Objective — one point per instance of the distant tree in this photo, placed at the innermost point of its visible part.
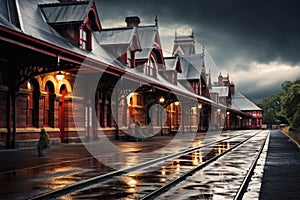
(290, 102)
(271, 107)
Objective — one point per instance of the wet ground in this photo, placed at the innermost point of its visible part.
(281, 172)
(221, 179)
(138, 184)
(23, 174)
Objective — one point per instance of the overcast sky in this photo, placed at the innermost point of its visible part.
(256, 42)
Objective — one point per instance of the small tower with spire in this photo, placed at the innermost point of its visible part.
(156, 20)
(184, 44)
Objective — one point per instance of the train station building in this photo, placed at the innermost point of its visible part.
(61, 70)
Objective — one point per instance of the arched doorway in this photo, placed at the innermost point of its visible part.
(63, 92)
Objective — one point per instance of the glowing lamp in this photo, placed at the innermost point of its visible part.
(60, 76)
(161, 100)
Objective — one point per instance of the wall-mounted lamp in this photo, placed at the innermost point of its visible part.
(161, 99)
(200, 105)
(228, 113)
(60, 76)
(177, 103)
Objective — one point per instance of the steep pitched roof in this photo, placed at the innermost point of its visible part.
(191, 66)
(111, 37)
(147, 35)
(184, 45)
(9, 14)
(242, 103)
(66, 12)
(6, 23)
(173, 64)
(34, 25)
(222, 90)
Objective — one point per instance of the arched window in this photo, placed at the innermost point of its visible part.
(49, 105)
(84, 38)
(32, 103)
(151, 67)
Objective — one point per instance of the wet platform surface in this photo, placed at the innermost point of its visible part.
(24, 174)
(281, 176)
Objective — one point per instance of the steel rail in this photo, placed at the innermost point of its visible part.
(80, 184)
(173, 183)
(241, 191)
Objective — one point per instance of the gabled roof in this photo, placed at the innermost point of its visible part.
(6, 23)
(222, 90)
(112, 37)
(242, 103)
(191, 66)
(184, 45)
(36, 29)
(147, 35)
(66, 12)
(9, 14)
(183, 49)
(34, 25)
(173, 64)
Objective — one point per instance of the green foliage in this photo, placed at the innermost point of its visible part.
(271, 107)
(283, 106)
(44, 141)
(290, 103)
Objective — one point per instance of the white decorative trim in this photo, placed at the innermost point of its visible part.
(20, 16)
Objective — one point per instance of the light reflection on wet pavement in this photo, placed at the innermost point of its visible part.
(219, 180)
(137, 184)
(39, 180)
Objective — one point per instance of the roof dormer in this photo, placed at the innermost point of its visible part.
(173, 67)
(75, 20)
(122, 43)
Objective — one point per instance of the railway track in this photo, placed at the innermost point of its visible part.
(156, 178)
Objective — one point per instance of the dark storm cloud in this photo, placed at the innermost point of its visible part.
(258, 30)
(258, 93)
(240, 66)
(236, 33)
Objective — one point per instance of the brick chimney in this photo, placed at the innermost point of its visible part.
(132, 21)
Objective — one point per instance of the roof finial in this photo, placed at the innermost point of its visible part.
(156, 20)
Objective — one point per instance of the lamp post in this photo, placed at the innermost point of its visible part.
(199, 117)
(161, 102)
